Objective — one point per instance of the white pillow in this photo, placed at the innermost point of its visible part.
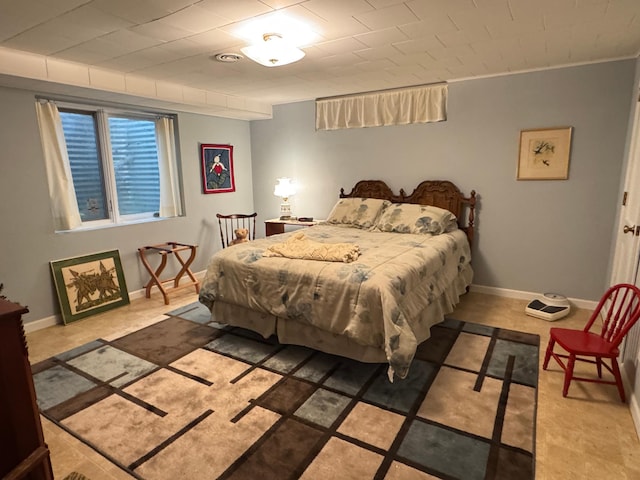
(413, 218)
(357, 212)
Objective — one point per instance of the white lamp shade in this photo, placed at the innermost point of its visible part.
(284, 188)
(273, 52)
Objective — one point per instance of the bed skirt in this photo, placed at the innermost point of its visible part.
(296, 333)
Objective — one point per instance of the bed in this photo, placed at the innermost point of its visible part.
(410, 269)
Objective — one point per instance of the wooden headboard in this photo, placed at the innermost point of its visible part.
(438, 193)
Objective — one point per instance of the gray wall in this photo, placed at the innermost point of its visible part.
(535, 236)
(28, 242)
(531, 236)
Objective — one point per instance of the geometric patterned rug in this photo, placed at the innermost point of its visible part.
(189, 398)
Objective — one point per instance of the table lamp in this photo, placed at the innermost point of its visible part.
(284, 189)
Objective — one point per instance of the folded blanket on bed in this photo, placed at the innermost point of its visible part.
(299, 246)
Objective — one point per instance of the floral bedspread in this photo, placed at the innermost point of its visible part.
(373, 300)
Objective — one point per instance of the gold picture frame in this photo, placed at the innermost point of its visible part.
(544, 154)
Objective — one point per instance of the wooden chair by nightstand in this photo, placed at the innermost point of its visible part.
(228, 224)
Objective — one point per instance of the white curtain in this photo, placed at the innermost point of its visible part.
(389, 107)
(170, 204)
(64, 204)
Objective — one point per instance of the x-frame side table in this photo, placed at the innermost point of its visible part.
(166, 249)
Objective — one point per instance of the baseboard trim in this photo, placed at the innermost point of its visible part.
(42, 323)
(499, 292)
(632, 398)
(57, 319)
(522, 295)
(635, 412)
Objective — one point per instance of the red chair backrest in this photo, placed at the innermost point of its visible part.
(619, 309)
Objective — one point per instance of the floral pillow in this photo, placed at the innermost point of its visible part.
(357, 212)
(412, 218)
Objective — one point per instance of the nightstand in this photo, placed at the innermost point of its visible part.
(275, 225)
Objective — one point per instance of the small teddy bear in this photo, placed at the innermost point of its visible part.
(241, 236)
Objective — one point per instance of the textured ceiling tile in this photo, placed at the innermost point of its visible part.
(423, 59)
(194, 19)
(387, 17)
(125, 41)
(381, 37)
(161, 31)
(137, 12)
(376, 65)
(385, 51)
(344, 27)
(427, 27)
(88, 21)
(84, 53)
(343, 45)
(19, 16)
(43, 39)
(445, 53)
(463, 37)
(51, 9)
(174, 5)
(281, 3)
(236, 10)
(215, 40)
(417, 46)
(384, 3)
(511, 29)
(521, 10)
(424, 7)
(333, 9)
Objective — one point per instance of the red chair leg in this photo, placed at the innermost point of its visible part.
(547, 355)
(568, 374)
(619, 384)
(599, 366)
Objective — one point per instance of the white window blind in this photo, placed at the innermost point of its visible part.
(86, 164)
(389, 107)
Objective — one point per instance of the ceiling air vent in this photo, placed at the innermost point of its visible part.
(228, 57)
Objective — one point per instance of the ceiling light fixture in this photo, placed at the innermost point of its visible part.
(273, 51)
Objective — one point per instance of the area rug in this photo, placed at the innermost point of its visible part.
(189, 398)
(75, 476)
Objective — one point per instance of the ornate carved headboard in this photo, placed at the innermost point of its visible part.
(438, 193)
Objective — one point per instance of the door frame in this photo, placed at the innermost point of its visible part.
(625, 264)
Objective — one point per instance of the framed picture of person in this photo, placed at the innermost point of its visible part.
(217, 168)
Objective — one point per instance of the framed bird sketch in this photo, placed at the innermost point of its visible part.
(544, 154)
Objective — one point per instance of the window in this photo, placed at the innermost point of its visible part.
(117, 161)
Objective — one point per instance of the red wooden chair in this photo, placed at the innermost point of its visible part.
(618, 310)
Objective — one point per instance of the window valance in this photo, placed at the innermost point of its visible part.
(389, 107)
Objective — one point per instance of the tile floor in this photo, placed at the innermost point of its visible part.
(588, 435)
